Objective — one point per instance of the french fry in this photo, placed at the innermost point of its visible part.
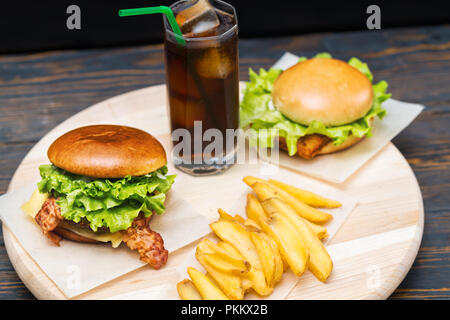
(278, 260)
(319, 262)
(227, 251)
(224, 215)
(308, 197)
(256, 212)
(279, 264)
(187, 291)
(266, 255)
(227, 217)
(320, 231)
(265, 191)
(225, 265)
(249, 180)
(246, 284)
(229, 248)
(208, 247)
(279, 268)
(252, 225)
(239, 219)
(257, 280)
(254, 209)
(207, 289)
(289, 242)
(237, 235)
(229, 283)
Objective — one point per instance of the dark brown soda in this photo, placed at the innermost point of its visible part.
(203, 79)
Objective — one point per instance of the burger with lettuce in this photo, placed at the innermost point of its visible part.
(104, 184)
(319, 106)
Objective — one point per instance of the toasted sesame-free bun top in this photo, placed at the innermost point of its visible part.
(327, 90)
(107, 151)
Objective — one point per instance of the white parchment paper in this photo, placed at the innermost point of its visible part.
(76, 267)
(339, 166)
(289, 280)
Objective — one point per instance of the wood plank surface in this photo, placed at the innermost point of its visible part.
(40, 90)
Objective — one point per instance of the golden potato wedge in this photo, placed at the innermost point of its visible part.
(249, 180)
(225, 216)
(237, 235)
(252, 225)
(258, 282)
(229, 283)
(319, 262)
(257, 213)
(308, 197)
(246, 284)
(206, 246)
(237, 267)
(266, 255)
(320, 231)
(229, 248)
(187, 291)
(265, 191)
(239, 219)
(279, 267)
(254, 209)
(289, 242)
(207, 289)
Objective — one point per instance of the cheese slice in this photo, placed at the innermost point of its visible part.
(32, 207)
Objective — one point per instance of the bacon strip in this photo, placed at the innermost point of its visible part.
(48, 219)
(148, 243)
(139, 236)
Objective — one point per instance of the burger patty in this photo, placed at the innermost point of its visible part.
(84, 223)
(307, 146)
(139, 236)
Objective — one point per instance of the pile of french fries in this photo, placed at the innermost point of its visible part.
(282, 230)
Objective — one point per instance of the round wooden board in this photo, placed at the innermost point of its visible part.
(380, 239)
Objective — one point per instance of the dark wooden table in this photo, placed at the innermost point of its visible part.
(40, 90)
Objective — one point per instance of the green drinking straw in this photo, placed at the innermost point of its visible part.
(151, 10)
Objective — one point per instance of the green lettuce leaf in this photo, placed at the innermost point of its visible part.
(257, 111)
(110, 203)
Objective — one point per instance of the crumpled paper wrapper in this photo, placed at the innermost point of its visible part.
(77, 267)
(340, 166)
(340, 215)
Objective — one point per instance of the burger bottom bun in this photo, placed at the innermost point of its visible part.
(70, 235)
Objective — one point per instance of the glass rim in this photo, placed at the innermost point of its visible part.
(169, 31)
